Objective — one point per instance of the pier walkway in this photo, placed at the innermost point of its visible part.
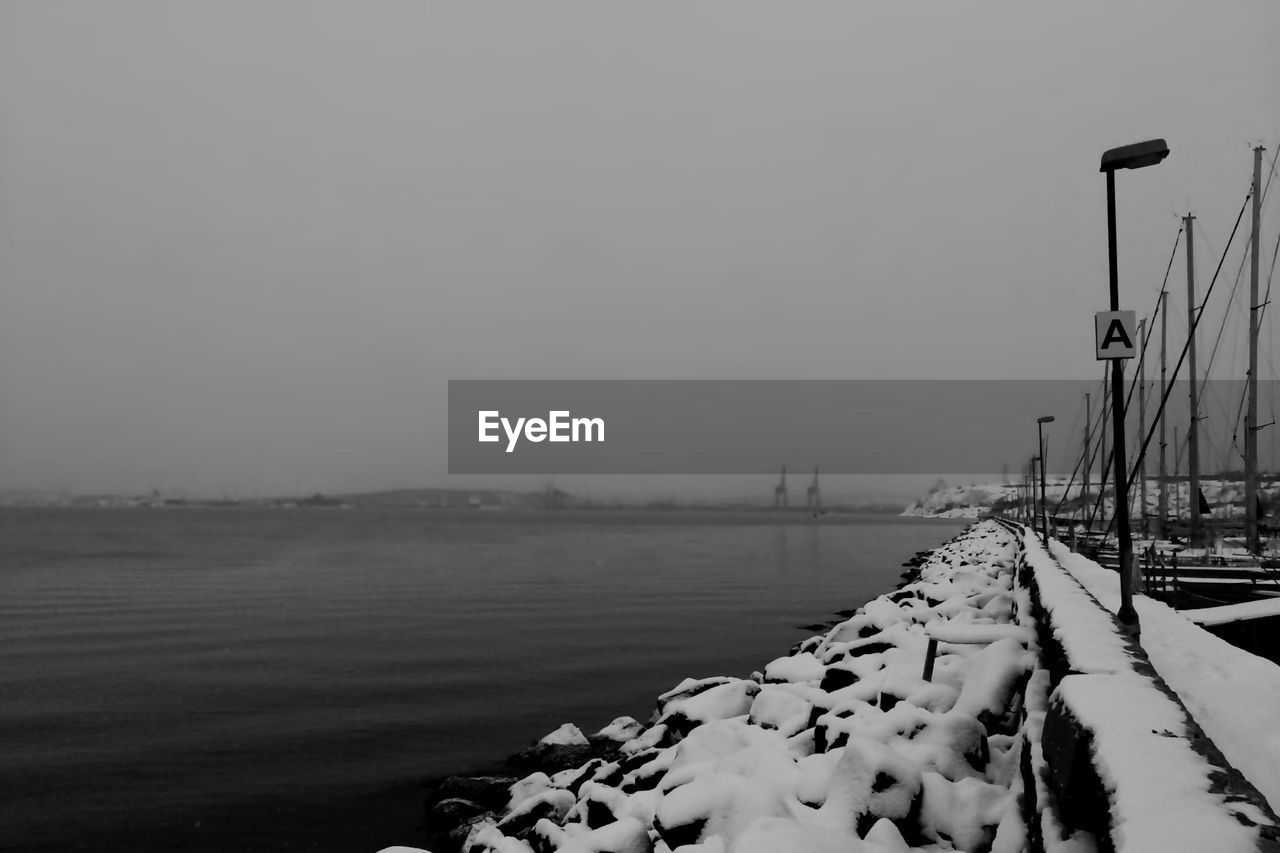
(1232, 694)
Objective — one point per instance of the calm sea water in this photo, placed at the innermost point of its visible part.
(249, 679)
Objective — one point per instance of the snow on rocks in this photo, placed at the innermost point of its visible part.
(566, 735)
(621, 729)
(842, 745)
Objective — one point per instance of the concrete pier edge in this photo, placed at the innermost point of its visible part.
(1063, 774)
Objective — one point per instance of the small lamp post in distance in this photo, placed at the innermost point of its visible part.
(1044, 512)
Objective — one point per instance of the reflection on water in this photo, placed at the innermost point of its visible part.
(223, 679)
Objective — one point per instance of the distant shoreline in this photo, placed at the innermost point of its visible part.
(604, 515)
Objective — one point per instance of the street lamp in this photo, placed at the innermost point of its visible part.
(1031, 492)
(1044, 512)
(1134, 156)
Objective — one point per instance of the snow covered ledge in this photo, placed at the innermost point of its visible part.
(1114, 758)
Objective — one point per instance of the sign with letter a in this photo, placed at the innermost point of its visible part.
(1116, 334)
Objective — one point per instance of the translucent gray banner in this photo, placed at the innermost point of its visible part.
(939, 427)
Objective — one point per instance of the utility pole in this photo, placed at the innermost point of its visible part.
(1142, 425)
(1251, 425)
(1162, 503)
(1193, 429)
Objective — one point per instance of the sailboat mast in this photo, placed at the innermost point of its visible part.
(1142, 424)
(1088, 425)
(1251, 425)
(1177, 492)
(1102, 447)
(1193, 449)
(1163, 502)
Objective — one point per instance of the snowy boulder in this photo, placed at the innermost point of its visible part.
(650, 774)
(573, 778)
(531, 785)
(718, 745)
(486, 836)
(776, 707)
(646, 740)
(814, 777)
(566, 735)
(966, 813)
(714, 804)
(621, 729)
(691, 687)
(871, 781)
(957, 745)
(553, 804)
(801, 667)
(938, 698)
(723, 700)
(628, 835)
(565, 748)
(598, 805)
(994, 675)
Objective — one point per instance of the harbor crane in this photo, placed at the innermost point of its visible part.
(813, 495)
(780, 491)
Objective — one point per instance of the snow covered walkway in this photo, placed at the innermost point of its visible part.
(1124, 762)
(1232, 694)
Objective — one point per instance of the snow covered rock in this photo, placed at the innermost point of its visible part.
(869, 782)
(705, 701)
(621, 729)
(566, 735)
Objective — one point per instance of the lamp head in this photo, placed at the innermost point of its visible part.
(1047, 419)
(1135, 156)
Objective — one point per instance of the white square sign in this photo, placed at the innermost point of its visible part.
(1115, 334)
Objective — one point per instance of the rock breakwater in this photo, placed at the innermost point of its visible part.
(842, 744)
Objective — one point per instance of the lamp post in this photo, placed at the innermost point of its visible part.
(1135, 156)
(1031, 492)
(1044, 512)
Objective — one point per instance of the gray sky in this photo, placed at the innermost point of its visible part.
(243, 245)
